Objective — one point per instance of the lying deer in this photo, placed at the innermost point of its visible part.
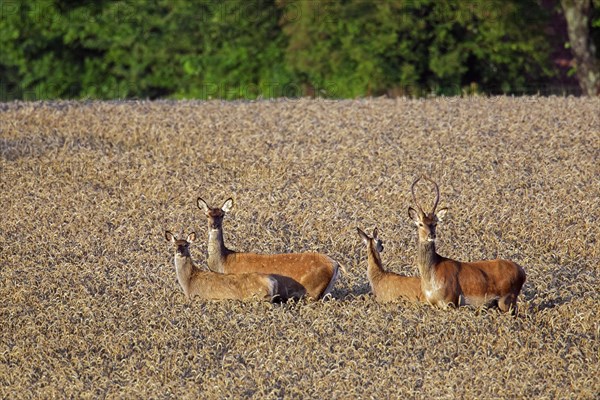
(298, 274)
(214, 286)
(388, 286)
(445, 281)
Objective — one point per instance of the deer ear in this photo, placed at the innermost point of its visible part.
(202, 205)
(441, 214)
(228, 205)
(169, 236)
(413, 215)
(191, 237)
(362, 235)
(375, 233)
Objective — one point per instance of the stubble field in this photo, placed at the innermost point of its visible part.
(91, 308)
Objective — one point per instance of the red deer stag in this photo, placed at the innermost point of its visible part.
(445, 281)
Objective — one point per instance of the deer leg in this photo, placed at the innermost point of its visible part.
(508, 303)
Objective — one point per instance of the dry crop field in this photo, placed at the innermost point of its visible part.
(91, 307)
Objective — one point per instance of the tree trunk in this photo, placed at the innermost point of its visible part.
(577, 13)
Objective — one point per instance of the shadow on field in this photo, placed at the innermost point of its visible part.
(539, 295)
(531, 299)
(350, 293)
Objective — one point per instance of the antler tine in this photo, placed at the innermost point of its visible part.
(412, 190)
(437, 194)
(437, 197)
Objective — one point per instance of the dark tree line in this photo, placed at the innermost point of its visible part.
(270, 48)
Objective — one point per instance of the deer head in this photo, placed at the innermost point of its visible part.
(215, 215)
(182, 246)
(377, 243)
(426, 222)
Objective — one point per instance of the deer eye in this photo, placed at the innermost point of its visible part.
(420, 224)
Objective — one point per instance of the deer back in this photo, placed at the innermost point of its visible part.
(216, 286)
(391, 287)
(307, 273)
(490, 278)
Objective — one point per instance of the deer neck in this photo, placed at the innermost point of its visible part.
(184, 268)
(427, 259)
(216, 250)
(374, 267)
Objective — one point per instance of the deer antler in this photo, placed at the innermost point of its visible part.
(437, 193)
(412, 190)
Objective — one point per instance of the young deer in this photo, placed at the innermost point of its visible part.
(388, 286)
(298, 275)
(445, 281)
(213, 286)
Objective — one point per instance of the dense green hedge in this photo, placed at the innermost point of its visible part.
(248, 49)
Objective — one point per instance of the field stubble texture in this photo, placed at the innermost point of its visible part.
(91, 307)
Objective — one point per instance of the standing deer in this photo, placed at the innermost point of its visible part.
(388, 286)
(298, 274)
(445, 281)
(214, 286)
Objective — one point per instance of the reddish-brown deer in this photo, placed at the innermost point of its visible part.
(212, 285)
(388, 286)
(298, 274)
(445, 281)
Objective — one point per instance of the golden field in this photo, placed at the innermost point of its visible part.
(91, 307)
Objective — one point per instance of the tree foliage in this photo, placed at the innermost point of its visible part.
(268, 48)
(122, 49)
(359, 47)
